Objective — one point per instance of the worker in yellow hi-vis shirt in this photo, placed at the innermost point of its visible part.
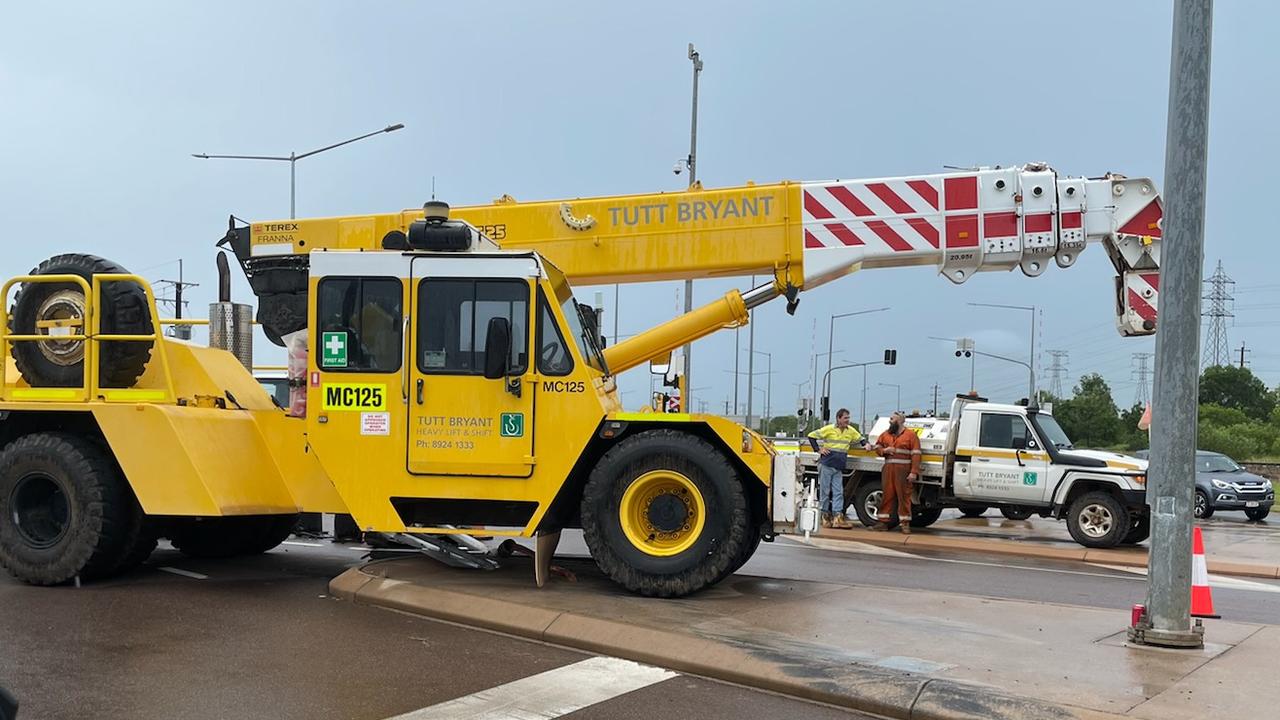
(832, 443)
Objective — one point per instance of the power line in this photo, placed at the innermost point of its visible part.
(1217, 350)
(1143, 371)
(1057, 371)
(182, 332)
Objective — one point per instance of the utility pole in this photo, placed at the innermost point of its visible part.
(182, 332)
(1242, 352)
(1167, 620)
(1217, 349)
(692, 162)
(936, 388)
(1142, 374)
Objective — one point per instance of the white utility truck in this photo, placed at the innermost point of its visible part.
(1015, 458)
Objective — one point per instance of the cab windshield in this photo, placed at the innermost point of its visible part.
(573, 315)
(1052, 432)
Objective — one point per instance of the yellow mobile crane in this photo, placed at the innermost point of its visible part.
(455, 388)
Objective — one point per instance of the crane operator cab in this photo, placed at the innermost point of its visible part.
(456, 389)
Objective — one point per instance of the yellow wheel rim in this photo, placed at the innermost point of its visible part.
(662, 513)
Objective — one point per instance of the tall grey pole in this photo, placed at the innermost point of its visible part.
(1032, 397)
(737, 351)
(751, 363)
(1176, 396)
(293, 177)
(862, 427)
(693, 179)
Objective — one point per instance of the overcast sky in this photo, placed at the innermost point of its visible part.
(101, 105)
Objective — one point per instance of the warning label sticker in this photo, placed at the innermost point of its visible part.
(375, 423)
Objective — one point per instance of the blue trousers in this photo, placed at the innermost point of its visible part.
(830, 489)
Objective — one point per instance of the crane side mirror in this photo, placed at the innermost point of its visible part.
(8, 705)
(497, 348)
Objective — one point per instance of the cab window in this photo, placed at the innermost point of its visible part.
(1008, 432)
(553, 353)
(453, 321)
(360, 323)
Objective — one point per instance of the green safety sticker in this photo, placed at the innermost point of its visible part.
(1028, 478)
(512, 425)
(333, 353)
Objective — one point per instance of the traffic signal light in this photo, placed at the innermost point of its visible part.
(826, 408)
(890, 357)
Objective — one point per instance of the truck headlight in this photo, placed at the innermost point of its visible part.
(1221, 485)
(1139, 480)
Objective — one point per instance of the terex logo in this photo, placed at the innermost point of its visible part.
(276, 227)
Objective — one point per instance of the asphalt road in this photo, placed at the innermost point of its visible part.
(259, 637)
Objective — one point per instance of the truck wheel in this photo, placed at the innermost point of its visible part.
(866, 502)
(60, 363)
(1098, 520)
(1017, 512)
(1258, 513)
(924, 517)
(1140, 531)
(224, 537)
(1203, 509)
(665, 515)
(66, 509)
(973, 511)
(272, 530)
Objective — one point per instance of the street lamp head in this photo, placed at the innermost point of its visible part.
(202, 156)
(393, 128)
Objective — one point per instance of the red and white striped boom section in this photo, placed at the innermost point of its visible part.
(989, 219)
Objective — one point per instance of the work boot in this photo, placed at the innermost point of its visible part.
(826, 520)
(905, 528)
(841, 523)
(880, 527)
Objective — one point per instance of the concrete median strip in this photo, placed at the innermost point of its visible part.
(1129, 557)
(859, 686)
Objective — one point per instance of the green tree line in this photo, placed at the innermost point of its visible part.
(1239, 415)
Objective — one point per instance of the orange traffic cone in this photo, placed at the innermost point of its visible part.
(1201, 597)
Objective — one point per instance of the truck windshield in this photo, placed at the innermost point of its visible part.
(1052, 432)
(586, 338)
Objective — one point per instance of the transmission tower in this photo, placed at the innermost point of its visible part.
(1057, 371)
(1142, 374)
(1218, 309)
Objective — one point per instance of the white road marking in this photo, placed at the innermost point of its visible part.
(303, 544)
(1132, 573)
(183, 573)
(847, 546)
(550, 694)
(1221, 581)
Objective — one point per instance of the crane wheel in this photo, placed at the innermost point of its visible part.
(225, 537)
(50, 308)
(665, 515)
(65, 509)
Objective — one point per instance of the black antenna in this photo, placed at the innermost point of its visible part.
(433, 187)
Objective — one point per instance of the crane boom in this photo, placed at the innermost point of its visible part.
(802, 234)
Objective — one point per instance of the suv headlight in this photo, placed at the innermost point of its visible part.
(1221, 485)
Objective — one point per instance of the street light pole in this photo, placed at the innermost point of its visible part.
(768, 397)
(1176, 395)
(692, 162)
(1031, 395)
(292, 158)
(897, 405)
(831, 329)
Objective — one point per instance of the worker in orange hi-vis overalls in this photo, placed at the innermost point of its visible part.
(900, 448)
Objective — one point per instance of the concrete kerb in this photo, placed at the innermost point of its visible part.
(890, 693)
(1126, 557)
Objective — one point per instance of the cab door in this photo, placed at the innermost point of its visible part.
(1007, 464)
(461, 423)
